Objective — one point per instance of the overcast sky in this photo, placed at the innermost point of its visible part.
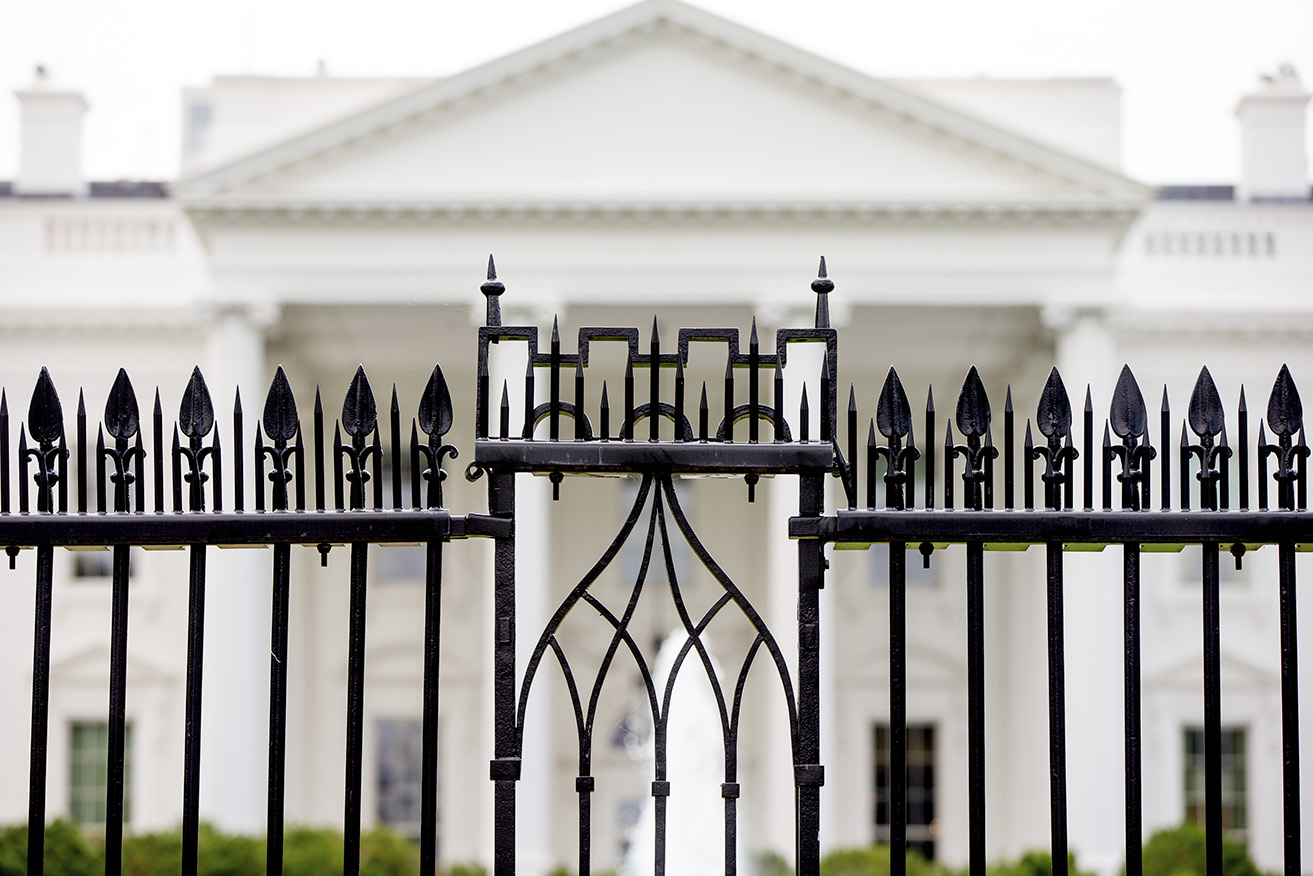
(1182, 63)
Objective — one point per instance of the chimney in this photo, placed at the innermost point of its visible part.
(1273, 148)
(51, 152)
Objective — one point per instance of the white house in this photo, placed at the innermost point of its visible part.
(658, 160)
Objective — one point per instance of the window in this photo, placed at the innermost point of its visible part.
(1235, 816)
(89, 772)
(99, 564)
(915, 574)
(400, 759)
(922, 826)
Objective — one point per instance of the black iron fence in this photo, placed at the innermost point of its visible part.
(154, 489)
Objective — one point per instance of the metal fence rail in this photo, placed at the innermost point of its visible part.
(322, 491)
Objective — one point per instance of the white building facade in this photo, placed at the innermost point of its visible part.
(660, 160)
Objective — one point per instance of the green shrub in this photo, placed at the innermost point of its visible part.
(385, 852)
(228, 854)
(1033, 863)
(67, 851)
(466, 870)
(874, 861)
(1180, 851)
(769, 863)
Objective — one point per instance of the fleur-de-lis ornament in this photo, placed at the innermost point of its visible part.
(1285, 417)
(1053, 419)
(1207, 420)
(435, 419)
(280, 425)
(1129, 418)
(122, 421)
(893, 417)
(45, 423)
(973, 416)
(196, 419)
(359, 420)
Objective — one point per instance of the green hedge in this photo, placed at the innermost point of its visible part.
(306, 852)
(1180, 852)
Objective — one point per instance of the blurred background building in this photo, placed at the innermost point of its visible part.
(658, 160)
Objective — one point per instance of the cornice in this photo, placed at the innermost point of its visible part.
(1067, 213)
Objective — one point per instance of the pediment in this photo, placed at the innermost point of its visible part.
(656, 105)
(89, 667)
(1186, 672)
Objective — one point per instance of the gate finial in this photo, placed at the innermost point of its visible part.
(492, 290)
(822, 286)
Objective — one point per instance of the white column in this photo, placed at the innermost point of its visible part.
(535, 847)
(235, 722)
(1087, 353)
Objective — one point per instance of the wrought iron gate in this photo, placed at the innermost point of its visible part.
(326, 493)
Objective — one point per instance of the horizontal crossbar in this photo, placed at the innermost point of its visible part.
(1038, 527)
(249, 528)
(627, 457)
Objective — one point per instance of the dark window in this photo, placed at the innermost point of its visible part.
(922, 825)
(1235, 815)
(400, 759)
(89, 772)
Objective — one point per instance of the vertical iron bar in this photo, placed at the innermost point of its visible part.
(976, 706)
(239, 473)
(679, 398)
(191, 782)
(394, 446)
(1289, 710)
(416, 467)
(503, 414)
(988, 468)
(1029, 479)
(804, 415)
(139, 505)
(300, 468)
(36, 795)
(627, 426)
(1262, 468)
(319, 451)
(703, 414)
(1009, 463)
(1242, 434)
(338, 497)
(481, 408)
(778, 403)
(554, 386)
(898, 707)
(277, 709)
(118, 678)
(604, 413)
(654, 385)
(729, 398)
(809, 774)
(1107, 470)
(1165, 437)
(1131, 644)
(428, 813)
(1184, 465)
(579, 418)
(176, 458)
(948, 467)
(101, 497)
(378, 474)
(528, 428)
(1087, 448)
(754, 384)
(1068, 487)
(355, 709)
(1212, 712)
(501, 503)
(81, 436)
(62, 466)
(930, 449)
(852, 447)
(157, 448)
(1057, 712)
(259, 467)
(4, 448)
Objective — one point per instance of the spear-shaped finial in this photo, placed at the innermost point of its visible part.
(492, 290)
(822, 286)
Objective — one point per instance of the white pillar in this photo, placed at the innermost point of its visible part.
(1087, 353)
(535, 848)
(235, 722)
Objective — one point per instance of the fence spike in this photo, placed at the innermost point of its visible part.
(196, 412)
(435, 410)
(1128, 414)
(893, 414)
(122, 417)
(1206, 413)
(359, 411)
(80, 435)
(492, 291)
(822, 286)
(973, 406)
(45, 415)
(1165, 436)
(280, 420)
(1053, 413)
(605, 412)
(804, 416)
(1285, 411)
